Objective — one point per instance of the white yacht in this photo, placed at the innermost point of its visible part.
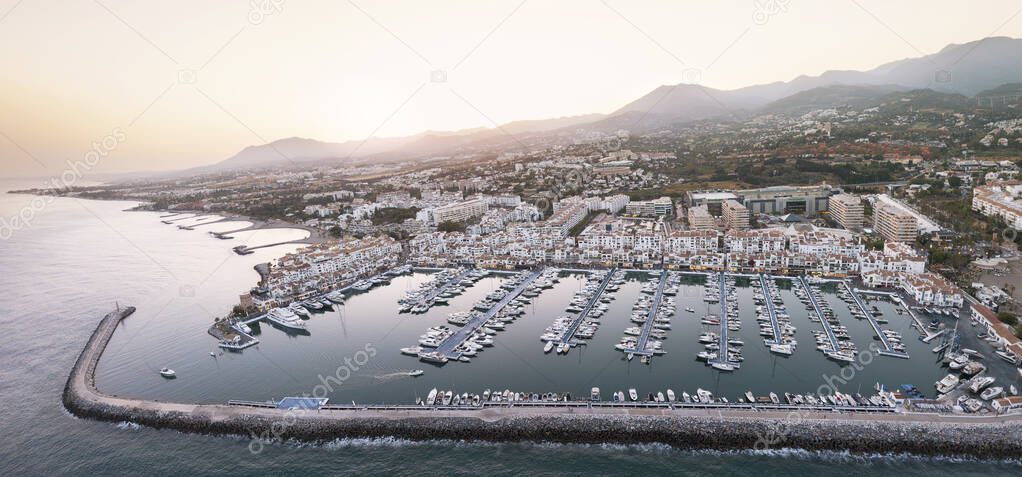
(298, 309)
(991, 393)
(286, 318)
(947, 384)
(168, 373)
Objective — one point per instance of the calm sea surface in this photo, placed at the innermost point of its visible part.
(78, 259)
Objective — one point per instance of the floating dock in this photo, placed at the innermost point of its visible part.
(427, 300)
(722, 351)
(447, 348)
(640, 347)
(887, 351)
(569, 333)
(770, 308)
(819, 313)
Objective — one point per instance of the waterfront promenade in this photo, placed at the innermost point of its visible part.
(717, 428)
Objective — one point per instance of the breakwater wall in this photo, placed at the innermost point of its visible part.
(725, 429)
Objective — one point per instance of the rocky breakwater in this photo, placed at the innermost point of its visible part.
(922, 434)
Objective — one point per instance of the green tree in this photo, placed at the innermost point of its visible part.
(451, 227)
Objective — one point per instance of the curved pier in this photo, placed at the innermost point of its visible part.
(720, 428)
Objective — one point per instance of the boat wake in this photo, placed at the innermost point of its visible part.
(395, 375)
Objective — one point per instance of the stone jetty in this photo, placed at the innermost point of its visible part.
(996, 437)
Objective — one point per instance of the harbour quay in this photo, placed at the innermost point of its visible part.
(725, 429)
(708, 338)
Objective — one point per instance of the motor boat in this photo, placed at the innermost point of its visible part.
(168, 373)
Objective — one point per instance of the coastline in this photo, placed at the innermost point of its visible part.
(997, 437)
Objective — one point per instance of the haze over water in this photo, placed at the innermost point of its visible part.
(79, 258)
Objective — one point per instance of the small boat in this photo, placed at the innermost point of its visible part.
(548, 347)
(722, 366)
(431, 398)
(634, 396)
(670, 395)
(416, 373)
(412, 350)
(594, 394)
(168, 373)
(991, 393)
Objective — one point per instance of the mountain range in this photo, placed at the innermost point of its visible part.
(980, 67)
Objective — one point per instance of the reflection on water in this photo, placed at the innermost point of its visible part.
(287, 364)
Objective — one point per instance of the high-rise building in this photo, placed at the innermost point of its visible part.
(699, 218)
(894, 224)
(457, 212)
(847, 210)
(736, 216)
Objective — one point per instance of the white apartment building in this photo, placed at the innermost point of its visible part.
(615, 203)
(999, 200)
(924, 224)
(318, 267)
(683, 241)
(650, 208)
(455, 212)
(847, 210)
(736, 216)
(894, 223)
(699, 218)
(755, 241)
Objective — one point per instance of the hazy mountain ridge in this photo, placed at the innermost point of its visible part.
(987, 66)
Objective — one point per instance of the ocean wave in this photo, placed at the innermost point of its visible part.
(847, 457)
(128, 426)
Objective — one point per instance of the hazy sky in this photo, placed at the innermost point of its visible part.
(177, 84)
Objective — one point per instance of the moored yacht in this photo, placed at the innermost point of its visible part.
(286, 318)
